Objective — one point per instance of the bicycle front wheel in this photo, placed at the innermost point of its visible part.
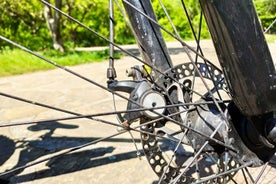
(64, 124)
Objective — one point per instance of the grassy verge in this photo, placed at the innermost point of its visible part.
(14, 62)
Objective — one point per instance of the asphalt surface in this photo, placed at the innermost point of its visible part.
(111, 161)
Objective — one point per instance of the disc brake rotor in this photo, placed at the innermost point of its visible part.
(169, 148)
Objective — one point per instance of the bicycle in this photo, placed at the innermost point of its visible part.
(187, 135)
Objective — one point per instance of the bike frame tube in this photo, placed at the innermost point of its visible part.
(148, 35)
(243, 54)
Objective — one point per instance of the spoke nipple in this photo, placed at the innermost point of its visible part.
(124, 126)
(139, 155)
(120, 129)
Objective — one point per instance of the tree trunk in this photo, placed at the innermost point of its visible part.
(53, 23)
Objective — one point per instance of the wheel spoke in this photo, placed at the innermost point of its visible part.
(172, 157)
(224, 173)
(261, 173)
(244, 176)
(80, 116)
(197, 154)
(249, 175)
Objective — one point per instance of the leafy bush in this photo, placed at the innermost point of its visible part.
(267, 13)
(23, 22)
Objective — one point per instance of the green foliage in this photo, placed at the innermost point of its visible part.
(267, 13)
(179, 19)
(92, 13)
(23, 21)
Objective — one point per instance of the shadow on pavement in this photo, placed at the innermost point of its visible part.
(32, 150)
(7, 148)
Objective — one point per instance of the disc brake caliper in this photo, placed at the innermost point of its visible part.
(143, 99)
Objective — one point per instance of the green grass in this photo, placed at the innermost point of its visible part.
(14, 62)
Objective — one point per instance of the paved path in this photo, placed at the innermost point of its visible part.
(111, 161)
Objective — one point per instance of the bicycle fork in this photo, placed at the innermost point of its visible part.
(249, 71)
